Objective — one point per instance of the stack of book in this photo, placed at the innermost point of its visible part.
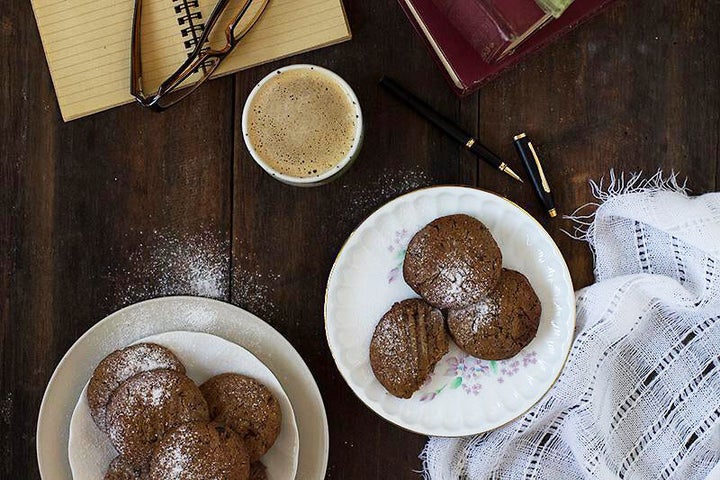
(474, 40)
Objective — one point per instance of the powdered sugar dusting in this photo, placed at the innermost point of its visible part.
(6, 408)
(120, 366)
(198, 451)
(203, 356)
(485, 312)
(175, 457)
(175, 264)
(146, 406)
(453, 261)
(254, 287)
(142, 358)
(390, 183)
(456, 275)
(398, 362)
(157, 394)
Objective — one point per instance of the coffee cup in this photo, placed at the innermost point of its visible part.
(303, 125)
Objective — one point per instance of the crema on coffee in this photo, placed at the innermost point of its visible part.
(302, 123)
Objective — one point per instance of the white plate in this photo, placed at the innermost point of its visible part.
(204, 356)
(161, 315)
(464, 395)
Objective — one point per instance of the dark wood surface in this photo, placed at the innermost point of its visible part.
(91, 210)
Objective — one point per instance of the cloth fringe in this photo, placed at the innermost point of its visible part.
(653, 309)
(618, 186)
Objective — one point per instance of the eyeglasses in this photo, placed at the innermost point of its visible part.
(228, 23)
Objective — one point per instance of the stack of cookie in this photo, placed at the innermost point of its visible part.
(165, 427)
(455, 265)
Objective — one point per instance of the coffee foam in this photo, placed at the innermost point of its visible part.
(302, 123)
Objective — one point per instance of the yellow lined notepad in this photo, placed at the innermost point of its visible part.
(87, 43)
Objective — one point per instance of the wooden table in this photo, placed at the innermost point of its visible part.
(92, 211)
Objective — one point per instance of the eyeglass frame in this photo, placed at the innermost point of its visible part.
(195, 60)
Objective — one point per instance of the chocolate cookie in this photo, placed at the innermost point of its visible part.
(248, 407)
(121, 469)
(146, 406)
(200, 451)
(121, 365)
(258, 471)
(407, 343)
(452, 262)
(501, 325)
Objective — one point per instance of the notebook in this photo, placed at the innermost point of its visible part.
(87, 43)
(462, 66)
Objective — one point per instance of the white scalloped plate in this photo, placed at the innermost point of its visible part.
(464, 395)
(204, 356)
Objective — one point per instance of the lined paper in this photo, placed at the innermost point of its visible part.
(87, 44)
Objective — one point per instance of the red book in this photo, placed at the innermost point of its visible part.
(494, 27)
(464, 68)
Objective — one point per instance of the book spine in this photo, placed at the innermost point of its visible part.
(578, 20)
(190, 19)
(437, 53)
(463, 68)
(483, 27)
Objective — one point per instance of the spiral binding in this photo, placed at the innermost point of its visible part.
(190, 18)
(186, 5)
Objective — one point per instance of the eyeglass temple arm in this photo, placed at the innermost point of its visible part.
(230, 30)
(172, 81)
(136, 83)
(175, 79)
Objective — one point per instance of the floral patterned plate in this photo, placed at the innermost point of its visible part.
(464, 395)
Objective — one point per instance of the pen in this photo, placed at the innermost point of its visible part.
(447, 126)
(535, 171)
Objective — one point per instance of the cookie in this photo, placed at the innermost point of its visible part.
(200, 451)
(146, 406)
(258, 471)
(121, 469)
(502, 324)
(121, 365)
(248, 407)
(452, 262)
(407, 343)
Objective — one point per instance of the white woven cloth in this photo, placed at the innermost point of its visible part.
(640, 395)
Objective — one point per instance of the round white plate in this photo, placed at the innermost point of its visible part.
(464, 395)
(204, 356)
(169, 314)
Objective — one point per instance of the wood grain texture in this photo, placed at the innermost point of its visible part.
(93, 212)
(286, 238)
(80, 203)
(635, 89)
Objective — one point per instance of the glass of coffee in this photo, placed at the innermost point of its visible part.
(303, 125)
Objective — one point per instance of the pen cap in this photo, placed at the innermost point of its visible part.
(533, 166)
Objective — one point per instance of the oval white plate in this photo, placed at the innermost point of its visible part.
(169, 314)
(464, 395)
(204, 356)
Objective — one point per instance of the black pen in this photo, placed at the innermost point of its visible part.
(535, 171)
(447, 126)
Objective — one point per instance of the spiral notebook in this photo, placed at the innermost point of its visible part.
(87, 43)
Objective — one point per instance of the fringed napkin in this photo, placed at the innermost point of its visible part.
(640, 395)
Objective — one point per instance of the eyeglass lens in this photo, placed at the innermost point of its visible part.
(203, 50)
